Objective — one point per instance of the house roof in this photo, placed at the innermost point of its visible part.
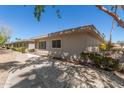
(24, 40)
(38, 37)
(81, 28)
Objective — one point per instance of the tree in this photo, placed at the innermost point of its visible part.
(114, 15)
(5, 34)
(39, 9)
(17, 38)
(2, 40)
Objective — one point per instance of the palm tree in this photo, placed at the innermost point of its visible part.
(17, 38)
(110, 40)
(113, 21)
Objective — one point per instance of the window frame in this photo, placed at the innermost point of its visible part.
(40, 45)
(56, 44)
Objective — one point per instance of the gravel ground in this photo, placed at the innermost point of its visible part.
(7, 56)
(48, 73)
(55, 73)
(7, 61)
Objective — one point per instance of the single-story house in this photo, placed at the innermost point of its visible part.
(21, 43)
(8, 44)
(116, 46)
(68, 44)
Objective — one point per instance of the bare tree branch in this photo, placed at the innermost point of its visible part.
(115, 16)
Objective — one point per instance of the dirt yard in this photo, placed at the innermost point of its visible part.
(6, 61)
(26, 71)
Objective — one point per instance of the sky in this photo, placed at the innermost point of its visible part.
(23, 24)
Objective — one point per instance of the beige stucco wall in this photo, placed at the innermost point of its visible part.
(71, 45)
(42, 51)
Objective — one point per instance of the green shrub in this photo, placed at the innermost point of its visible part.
(101, 61)
(20, 49)
(110, 63)
(7, 47)
(3, 46)
(13, 48)
(31, 50)
(84, 55)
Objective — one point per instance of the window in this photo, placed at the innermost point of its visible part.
(42, 45)
(56, 43)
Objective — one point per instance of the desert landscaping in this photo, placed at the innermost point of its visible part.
(35, 71)
(80, 47)
(6, 58)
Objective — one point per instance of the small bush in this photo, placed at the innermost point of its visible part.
(13, 48)
(7, 47)
(31, 50)
(3, 46)
(20, 49)
(103, 47)
(101, 61)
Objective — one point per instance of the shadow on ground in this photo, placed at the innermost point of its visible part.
(45, 80)
(64, 75)
(8, 65)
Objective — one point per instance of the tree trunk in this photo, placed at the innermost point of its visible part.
(115, 16)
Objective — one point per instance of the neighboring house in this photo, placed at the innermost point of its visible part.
(116, 46)
(21, 43)
(68, 44)
(121, 43)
